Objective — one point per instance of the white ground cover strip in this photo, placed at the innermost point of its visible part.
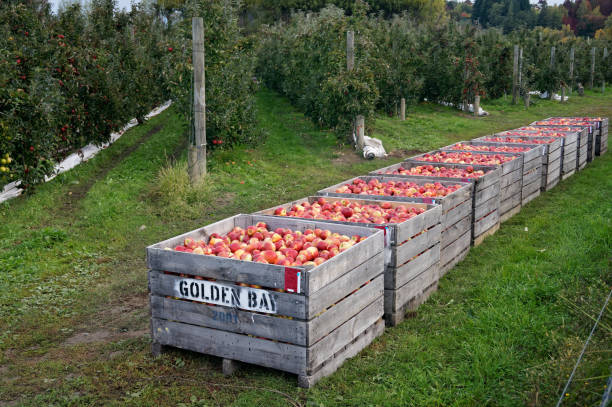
(11, 190)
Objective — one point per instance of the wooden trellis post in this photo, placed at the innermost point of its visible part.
(603, 64)
(571, 70)
(515, 74)
(197, 150)
(592, 67)
(359, 121)
(402, 109)
(552, 66)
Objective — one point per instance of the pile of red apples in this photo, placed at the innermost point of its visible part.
(465, 158)
(283, 247)
(351, 211)
(435, 171)
(397, 188)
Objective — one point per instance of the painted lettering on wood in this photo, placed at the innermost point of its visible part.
(247, 298)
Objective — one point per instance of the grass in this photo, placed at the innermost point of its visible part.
(429, 126)
(505, 327)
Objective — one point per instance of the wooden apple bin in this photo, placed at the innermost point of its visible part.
(531, 172)
(333, 313)
(485, 212)
(412, 253)
(551, 158)
(575, 148)
(456, 217)
(510, 181)
(598, 132)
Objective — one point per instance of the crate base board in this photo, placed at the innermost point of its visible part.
(396, 318)
(478, 240)
(229, 367)
(552, 184)
(530, 197)
(449, 266)
(396, 300)
(504, 217)
(352, 349)
(567, 175)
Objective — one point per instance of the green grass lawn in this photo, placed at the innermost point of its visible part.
(504, 328)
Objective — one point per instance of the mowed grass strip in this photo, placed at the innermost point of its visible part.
(504, 329)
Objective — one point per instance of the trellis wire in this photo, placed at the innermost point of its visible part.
(583, 349)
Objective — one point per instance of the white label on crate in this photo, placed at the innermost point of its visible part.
(247, 298)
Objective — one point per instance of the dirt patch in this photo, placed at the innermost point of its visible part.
(125, 319)
(87, 337)
(78, 192)
(346, 157)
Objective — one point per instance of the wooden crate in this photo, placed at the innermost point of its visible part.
(551, 155)
(567, 154)
(510, 182)
(456, 218)
(582, 145)
(412, 251)
(598, 130)
(485, 207)
(531, 174)
(303, 320)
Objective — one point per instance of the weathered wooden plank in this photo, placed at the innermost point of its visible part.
(509, 213)
(510, 190)
(483, 225)
(453, 232)
(343, 335)
(262, 352)
(510, 208)
(329, 271)
(396, 277)
(419, 223)
(568, 174)
(337, 289)
(533, 175)
(552, 183)
(530, 197)
(230, 319)
(454, 249)
(532, 164)
(396, 299)
(219, 268)
(395, 318)
(417, 245)
(510, 178)
(287, 304)
(449, 266)
(485, 208)
(491, 231)
(458, 213)
(341, 312)
(530, 188)
(486, 194)
(332, 364)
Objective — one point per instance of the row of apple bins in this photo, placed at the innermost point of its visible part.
(303, 286)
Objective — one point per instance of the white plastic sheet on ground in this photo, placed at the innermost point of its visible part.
(545, 95)
(481, 111)
(11, 190)
(373, 148)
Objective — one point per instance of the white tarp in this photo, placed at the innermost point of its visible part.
(11, 190)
